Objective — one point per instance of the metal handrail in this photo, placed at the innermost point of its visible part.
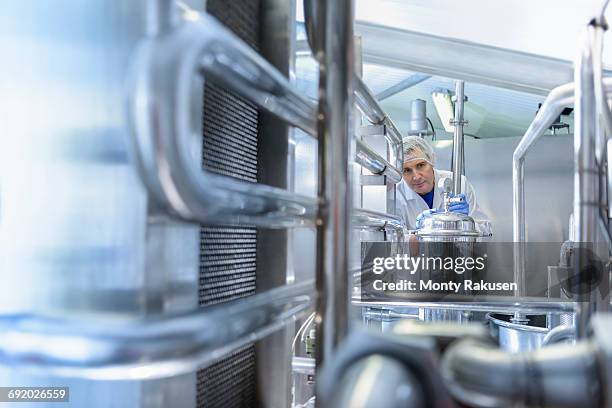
(150, 348)
(372, 161)
(374, 219)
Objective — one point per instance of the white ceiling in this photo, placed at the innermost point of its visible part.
(551, 28)
(546, 27)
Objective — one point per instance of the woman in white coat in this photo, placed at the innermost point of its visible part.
(418, 195)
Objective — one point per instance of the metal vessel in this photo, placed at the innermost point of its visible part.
(516, 337)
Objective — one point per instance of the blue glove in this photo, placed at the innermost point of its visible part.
(423, 215)
(461, 207)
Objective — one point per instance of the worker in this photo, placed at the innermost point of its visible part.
(418, 195)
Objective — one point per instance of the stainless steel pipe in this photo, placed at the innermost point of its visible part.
(369, 106)
(335, 137)
(586, 171)
(458, 122)
(160, 114)
(552, 107)
(479, 374)
(303, 365)
(373, 219)
(238, 67)
(167, 346)
(372, 161)
(531, 306)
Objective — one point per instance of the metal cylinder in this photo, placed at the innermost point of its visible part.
(418, 118)
(335, 25)
(586, 180)
(458, 138)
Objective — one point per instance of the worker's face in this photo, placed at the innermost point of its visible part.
(419, 175)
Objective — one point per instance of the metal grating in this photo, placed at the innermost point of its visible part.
(228, 255)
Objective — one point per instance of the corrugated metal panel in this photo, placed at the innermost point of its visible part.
(228, 255)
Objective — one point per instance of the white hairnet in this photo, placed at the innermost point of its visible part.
(415, 147)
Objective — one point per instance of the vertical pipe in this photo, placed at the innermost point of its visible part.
(518, 228)
(585, 173)
(458, 137)
(334, 130)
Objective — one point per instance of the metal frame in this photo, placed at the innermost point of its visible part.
(588, 93)
(335, 103)
(159, 112)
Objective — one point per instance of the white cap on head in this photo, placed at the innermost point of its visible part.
(417, 148)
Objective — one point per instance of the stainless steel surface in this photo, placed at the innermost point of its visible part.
(336, 79)
(108, 349)
(448, 225)
(517, 337)
(387, 315)
(458, 59)
(372, 219)
(608, 172)
(458, 123)
(220, 54)
(75, 236)
(402, 86)
(558, 99)
(303, 365)
(275, 168)
(479, 374)
(559, 334)
(165, 68)
(604, 116)
(586, 180)
(418, 118)
(526, 305)
(369, 106)
(372, 161)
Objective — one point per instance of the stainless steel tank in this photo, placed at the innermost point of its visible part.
(517, 337)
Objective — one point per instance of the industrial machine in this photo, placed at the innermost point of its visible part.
(185, 215)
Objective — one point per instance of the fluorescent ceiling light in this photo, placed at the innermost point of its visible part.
(442, 100)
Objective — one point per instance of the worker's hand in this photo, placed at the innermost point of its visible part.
(459, 204)
(423, 215)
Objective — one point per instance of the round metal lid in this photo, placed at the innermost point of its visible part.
(448, 224)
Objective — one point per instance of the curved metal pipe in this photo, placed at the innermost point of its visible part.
(372, 161)
(167, 346)
(552, 107)
(378, 382)
(479, 374)
(378, 220)
(160, 114)
(601, 103)
(559, 334)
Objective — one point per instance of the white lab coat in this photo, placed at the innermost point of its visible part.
(410, 204)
